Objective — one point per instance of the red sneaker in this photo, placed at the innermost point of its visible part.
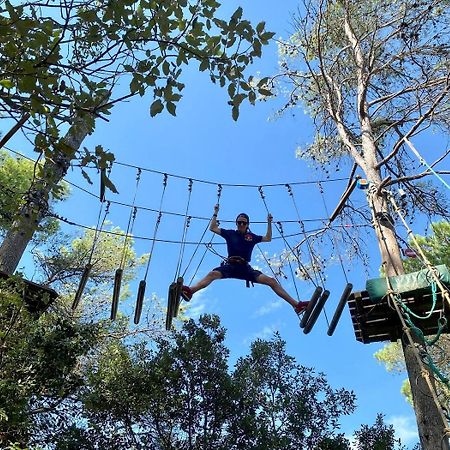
(186, 293)
(300, 307)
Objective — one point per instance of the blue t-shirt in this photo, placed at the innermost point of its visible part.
(240, 244)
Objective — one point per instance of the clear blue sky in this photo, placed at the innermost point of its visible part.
(203, 142)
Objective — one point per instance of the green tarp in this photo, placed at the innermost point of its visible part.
(415, 281)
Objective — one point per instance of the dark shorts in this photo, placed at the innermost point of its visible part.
(239, 271)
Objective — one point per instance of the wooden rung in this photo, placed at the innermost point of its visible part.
(316, 312)
(178, 287)
(310, 307)
(82, 285)
(116, 293)
(342, 302)
(139, 301)
(170, 306)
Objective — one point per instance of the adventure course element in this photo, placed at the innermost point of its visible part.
(374, 318)
(88, 267)
(174, 299)
(143, 282)
(119, 272)
(36, 298)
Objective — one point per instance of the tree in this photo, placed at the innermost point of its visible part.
(38, 363)
(16, 175)
(62, 62)
(182, 394)
(374, 75)
(436, 249)
(42, 357)
(377, 437)
(287, 405)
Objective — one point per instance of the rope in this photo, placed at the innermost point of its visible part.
(424, 162)
(425, 373)
(131, 221)
(157, 223)
(278, 226)
(302, 226)
(208, 245)
(430, 267)
(187, 221)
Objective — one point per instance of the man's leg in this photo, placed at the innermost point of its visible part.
(188, 291)
(278, 289)
(206, 281)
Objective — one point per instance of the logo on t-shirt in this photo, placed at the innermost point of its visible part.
(248, 237)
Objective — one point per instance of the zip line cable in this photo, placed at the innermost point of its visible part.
(424, 162)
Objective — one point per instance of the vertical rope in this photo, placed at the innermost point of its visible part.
(157, 223)
(280, 231)
(131, 219)
(219, 193)
(306, 238)
(333, 235)
(187, 222)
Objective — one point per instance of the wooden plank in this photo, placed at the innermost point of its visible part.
(375, 322)
(37, 298)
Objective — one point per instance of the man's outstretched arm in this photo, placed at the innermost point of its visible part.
(214, 226)
(268, 236)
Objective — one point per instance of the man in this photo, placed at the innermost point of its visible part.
(240, 244)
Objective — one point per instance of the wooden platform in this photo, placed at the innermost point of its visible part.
(378, 321)
(37, 298)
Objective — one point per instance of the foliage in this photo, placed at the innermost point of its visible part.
(62, 61)
(377, 437)
(181, 394)
(63, 260)
(372, 75)
(435, 246)
(16, 175)
(288, 405)
(38, 361)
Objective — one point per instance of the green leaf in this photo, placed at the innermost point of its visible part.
(266, 36)
(237, 14)
(235, 113)
(265, 92)
(204, 65)
(156, 108)
(171, 108)
(260, 27)
(8, 84)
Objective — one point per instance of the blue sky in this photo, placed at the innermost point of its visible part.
(204, 143)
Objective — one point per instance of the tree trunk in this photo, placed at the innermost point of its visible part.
(36, 206)
(431, 422)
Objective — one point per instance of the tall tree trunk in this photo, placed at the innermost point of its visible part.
(431, 422)
(36, 206)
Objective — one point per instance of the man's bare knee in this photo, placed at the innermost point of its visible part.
(213, 275)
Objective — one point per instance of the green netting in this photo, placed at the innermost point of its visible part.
(415, 281)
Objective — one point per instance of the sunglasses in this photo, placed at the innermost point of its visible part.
(241, 222)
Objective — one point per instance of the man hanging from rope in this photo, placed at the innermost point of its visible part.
(240, 244)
